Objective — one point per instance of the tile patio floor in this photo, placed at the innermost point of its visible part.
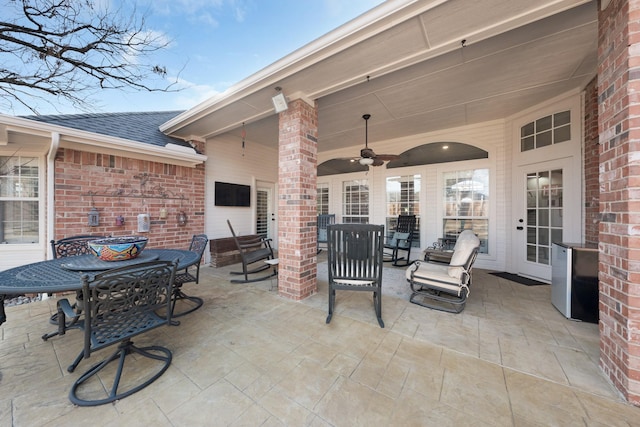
(252, 358)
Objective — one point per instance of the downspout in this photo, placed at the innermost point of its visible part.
(51, 175)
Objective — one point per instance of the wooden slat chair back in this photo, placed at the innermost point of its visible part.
(322, 222)
(401, 241)
(355, 260)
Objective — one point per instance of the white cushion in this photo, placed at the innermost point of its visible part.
(465, 245)
(434, 276)
(354, 282)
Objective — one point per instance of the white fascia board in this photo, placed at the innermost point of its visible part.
(88, 141)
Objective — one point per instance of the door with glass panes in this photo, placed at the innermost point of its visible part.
(544, 215)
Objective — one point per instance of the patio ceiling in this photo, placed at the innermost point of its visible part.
(406, 64)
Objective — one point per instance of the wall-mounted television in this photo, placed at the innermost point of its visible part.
(227, 194)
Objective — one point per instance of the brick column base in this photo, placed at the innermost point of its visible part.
(297, 211)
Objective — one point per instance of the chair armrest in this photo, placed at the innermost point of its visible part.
(248, 244)
(65, 307)
(65, 311)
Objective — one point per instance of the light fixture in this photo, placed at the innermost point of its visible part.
(144, 223)
(365, 161)
(182, 218)
(279, 101)
(94, 217)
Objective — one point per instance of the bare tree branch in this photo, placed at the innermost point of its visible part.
(67, 49)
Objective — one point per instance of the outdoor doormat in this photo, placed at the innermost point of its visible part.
(518, 279)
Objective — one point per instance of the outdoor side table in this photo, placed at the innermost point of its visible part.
(437, 255)
(274, 263)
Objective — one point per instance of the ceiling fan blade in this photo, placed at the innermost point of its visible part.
(377, 162)
(387, 157)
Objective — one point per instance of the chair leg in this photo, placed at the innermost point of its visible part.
(193, 302)
(332, 301)
(61, 319)
(377, 301)
(437, 300)
(123, 350)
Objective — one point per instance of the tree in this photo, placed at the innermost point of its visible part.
(70, 49)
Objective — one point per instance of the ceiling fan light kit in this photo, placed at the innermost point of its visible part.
(367, 156)
(365, 161)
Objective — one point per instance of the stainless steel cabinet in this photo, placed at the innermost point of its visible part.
(574, 281)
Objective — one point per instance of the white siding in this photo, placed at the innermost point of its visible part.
(226, 163)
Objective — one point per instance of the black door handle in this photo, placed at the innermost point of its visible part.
(519, 228)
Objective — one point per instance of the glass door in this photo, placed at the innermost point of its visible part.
(540, 216)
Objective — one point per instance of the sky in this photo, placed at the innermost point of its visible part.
(217, 43)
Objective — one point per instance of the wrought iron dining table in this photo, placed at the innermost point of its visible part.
(64, 274)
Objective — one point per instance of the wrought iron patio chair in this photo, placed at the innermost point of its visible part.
(401, 240)
(121, 304)
(185, 303)
(70, 246)
(355, 257)
(445, 287)
(322, 222)
(253, 250)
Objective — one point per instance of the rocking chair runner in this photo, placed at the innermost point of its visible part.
(441, 286)
(355, 262)
(401, 241)
(121, 304)
(252, 251)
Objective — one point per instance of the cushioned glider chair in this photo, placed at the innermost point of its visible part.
(355, 262)
(441, 286)
(401, 241)
(253, 251)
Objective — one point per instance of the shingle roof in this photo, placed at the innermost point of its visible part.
(138, 126)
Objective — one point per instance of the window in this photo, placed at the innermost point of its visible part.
(322, 199)
(546, 131)
(355, 201)
(19, 200)
(403, 198)
(466, 205)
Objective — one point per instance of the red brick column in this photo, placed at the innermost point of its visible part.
(618, 88)
(591, 163)
(297, 210)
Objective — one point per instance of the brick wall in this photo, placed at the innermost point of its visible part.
(619, 231)
(78, 174)
(591, 163)
(297, 210)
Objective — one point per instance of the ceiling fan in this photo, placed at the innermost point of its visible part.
(367, 155)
